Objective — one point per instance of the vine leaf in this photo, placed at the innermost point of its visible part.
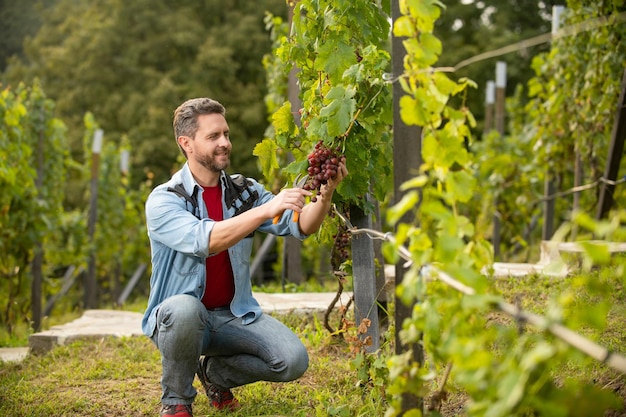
(266, 152)
(334, 58)
(339, 111)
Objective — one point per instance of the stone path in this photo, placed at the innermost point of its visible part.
(101, 323)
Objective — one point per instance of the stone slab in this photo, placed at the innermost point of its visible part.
(92, 324)
(101, 323)
(13, 354)
(299, 302)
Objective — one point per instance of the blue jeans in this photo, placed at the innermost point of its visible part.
(265, 350)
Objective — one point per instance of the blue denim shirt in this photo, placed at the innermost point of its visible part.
(179, 240)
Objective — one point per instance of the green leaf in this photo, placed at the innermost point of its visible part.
(409, 201)
(339, 110)
(266, 152)
(415, 182)
(461, 185)
(412, 112)
(447, 247)
(403, 27)
(334, 58)
(282, 120)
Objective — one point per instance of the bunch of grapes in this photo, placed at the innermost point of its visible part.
(323, 166)
(341, 247)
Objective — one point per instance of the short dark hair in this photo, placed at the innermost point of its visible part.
(186, 116)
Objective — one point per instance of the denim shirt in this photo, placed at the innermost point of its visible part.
(179, 240)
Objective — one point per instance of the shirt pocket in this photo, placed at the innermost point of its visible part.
(186, 265)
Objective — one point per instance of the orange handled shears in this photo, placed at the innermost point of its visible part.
(298, 182)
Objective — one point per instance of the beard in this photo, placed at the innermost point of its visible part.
(211, 164)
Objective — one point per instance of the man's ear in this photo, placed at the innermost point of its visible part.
(183, 142)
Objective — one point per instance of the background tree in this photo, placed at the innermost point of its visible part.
(18, 20)
(132, 63)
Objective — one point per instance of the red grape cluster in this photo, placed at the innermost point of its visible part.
(323, 166)
(341, 247)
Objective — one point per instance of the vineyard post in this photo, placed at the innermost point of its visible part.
(90, 296)
(549, 186)
(364, 272)
(500, 94)
(616, 150)
(407, 158)
(37, 262)
(116, 277)
(292, 247)
(490, 99)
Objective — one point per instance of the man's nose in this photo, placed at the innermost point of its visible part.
(224, 140)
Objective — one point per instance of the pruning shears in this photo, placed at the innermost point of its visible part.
(298, 182)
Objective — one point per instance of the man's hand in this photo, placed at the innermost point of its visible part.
(314, 213)
(288, 199)
(329, 188)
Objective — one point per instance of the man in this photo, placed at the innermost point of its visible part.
(201, 313)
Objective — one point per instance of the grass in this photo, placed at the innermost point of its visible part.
(112, 376)
(109, 376)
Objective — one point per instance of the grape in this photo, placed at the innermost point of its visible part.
(341, 246)
(323, 166)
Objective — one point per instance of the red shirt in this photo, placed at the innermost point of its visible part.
(220, 284)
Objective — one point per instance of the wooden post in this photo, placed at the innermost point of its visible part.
(382, 292)
(490, 99)
(292, 247)
(557, 12)
(407, 158)
(364, 272)
(131, 284)
(548, 213)
(68, 280)
(549, 184)
(578, 178)
(500, 109)
(91, 282)
(616, 150)
(37, 262)
(500, 95)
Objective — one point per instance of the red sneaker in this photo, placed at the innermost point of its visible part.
(219, 398)
(176, 410)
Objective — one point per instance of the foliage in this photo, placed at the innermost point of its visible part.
(34, 162)
(339, 51)
(501, 372)
(467, 29)
(336, 51)
(131, 63)
(569, 115)
(120, 241)
(16, 22)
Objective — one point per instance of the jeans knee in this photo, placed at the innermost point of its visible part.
(296, 364)
(185, 312)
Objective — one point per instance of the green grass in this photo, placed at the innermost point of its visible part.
(103, 377)
(110, 376)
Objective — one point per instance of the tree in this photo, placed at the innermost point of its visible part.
(132, 63)
(18, 20)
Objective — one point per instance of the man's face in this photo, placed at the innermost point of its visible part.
(211, 145)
